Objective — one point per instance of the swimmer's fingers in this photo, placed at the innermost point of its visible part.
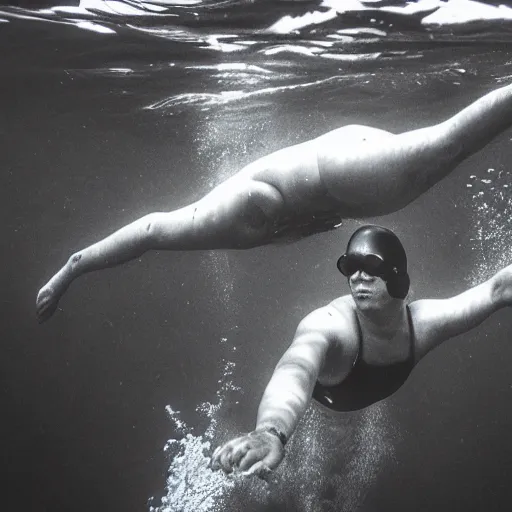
(219, 456)
(217, 452)
(274, 458)
(244, 452)
(251, 458)
(259, 469)
(268, 456)
(239, 452)
(225, 460)
(222, 456)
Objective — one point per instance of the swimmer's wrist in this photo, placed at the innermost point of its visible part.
(275, 432)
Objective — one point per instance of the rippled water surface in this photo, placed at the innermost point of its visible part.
(111, 110)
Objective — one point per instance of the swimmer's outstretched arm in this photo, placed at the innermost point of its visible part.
(436, 321)
(284, 401)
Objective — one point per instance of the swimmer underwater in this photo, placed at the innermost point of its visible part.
(360, 348)
(352, 172)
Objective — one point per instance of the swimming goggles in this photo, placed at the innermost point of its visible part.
(372, 264)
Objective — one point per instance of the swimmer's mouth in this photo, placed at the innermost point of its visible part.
(363, 294)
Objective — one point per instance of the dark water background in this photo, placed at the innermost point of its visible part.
(98, 129)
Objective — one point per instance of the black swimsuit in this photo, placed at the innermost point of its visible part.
(367, 383)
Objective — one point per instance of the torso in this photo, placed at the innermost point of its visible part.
(315, 181)
(294, 172)
(377, 365)
(307, 208)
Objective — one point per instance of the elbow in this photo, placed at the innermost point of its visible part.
(288, 393)
(303, 371)
(296, 381)
(150, 231)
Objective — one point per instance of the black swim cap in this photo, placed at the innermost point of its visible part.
(378, 251)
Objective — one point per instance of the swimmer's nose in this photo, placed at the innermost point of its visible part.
(361, 275)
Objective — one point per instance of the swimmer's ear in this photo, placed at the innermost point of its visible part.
(398, 286)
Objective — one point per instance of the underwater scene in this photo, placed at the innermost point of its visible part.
(239, 144)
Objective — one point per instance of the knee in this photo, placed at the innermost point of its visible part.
(74, 259)
(151, 229)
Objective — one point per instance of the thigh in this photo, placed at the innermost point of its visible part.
(376, 173)
(240, 213)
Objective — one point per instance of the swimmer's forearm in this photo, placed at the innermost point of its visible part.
(289, 391)
(445, 318)
(479, 303)
(286, 398)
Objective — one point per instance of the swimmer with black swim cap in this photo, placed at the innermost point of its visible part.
(374, 256)
(378, 252)
(360, 348)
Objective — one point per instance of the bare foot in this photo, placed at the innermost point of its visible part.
(50, 294)
(46, 304)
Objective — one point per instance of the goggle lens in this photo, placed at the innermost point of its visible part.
(372, 264)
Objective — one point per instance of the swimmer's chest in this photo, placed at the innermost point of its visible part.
(380, 368)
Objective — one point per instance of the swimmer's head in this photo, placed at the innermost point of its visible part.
(376, 254)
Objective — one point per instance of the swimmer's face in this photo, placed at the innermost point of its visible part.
(369, 292)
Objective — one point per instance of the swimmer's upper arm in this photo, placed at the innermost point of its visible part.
(289, 391)
(323, 344)
(437, 320)
(312, 339)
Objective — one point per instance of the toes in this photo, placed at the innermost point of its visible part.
(42, 305)
(42, 317)
(42, 300)
(45, 306)
(48, 313)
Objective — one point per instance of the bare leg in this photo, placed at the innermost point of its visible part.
(382, 173)
(235, 215)
(462, 135)
(379, 174)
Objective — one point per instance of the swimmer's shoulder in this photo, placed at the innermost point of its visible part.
(343, 309)
(337, 321)
(343, 334)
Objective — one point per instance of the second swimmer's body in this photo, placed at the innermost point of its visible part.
(351, 172)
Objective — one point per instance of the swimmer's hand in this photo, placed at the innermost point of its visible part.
(256, 453)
